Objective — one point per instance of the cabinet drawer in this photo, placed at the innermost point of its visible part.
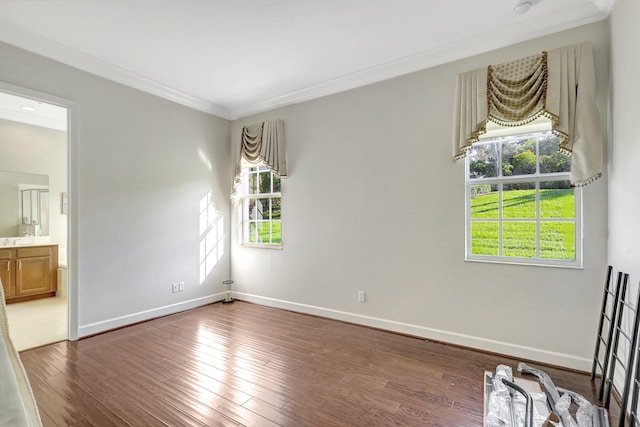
(34, 251)
(5, 253)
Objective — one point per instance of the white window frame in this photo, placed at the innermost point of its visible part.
(245, 221)
(536, 178)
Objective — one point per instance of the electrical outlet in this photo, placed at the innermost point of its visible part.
(362, 296)
(174, 287)
(181, 286)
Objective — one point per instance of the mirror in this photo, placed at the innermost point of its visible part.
(24, 204)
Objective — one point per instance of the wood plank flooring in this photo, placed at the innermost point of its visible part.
(244, 364)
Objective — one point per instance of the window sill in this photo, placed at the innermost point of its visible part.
(525, 262)
(261, 246)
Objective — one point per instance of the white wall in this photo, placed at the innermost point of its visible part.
(374, 202)
(139, 167)
(33, 149)
(624, 179)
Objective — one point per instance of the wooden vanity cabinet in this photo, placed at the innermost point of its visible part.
(6, 272)
(29, 272)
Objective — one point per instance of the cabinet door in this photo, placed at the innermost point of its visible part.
(33, 276)
(6, 272)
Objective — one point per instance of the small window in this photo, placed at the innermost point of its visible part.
(521, 207)
(261, 207)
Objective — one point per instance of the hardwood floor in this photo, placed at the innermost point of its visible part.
(244, 364)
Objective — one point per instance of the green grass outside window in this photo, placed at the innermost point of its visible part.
(557, 238)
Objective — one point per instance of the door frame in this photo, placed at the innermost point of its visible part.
(72, 190)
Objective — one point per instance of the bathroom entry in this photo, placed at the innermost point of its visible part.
(33, 218)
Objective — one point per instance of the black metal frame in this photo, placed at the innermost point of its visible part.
(601, 340)
(616, 359)
(633, 412)
(528, 417)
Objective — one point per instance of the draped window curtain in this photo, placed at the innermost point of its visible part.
(558, 84)
(261, 143)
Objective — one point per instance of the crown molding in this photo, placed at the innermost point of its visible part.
(16, 116)
(605, 6)
(58, 52)
(491, 40)
(483, 43)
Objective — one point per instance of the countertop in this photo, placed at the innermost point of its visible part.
(31, 242)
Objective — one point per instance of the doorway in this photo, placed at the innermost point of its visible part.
(34, 147)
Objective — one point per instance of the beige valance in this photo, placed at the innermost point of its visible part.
(262, 142)
(558, 84)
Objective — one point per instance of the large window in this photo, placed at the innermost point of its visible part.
(521, 207)
(261, 211)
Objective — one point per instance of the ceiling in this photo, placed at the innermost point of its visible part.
(33, 112)
(233, 58)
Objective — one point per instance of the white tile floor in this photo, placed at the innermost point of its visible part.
(38, 322)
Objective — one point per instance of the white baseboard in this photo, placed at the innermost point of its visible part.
(509, 349)
(514, 350)
(118, 322)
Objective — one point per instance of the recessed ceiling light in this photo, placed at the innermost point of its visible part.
(522, 7)
(27, 108)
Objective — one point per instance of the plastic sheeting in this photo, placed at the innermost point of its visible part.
(506, 407)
